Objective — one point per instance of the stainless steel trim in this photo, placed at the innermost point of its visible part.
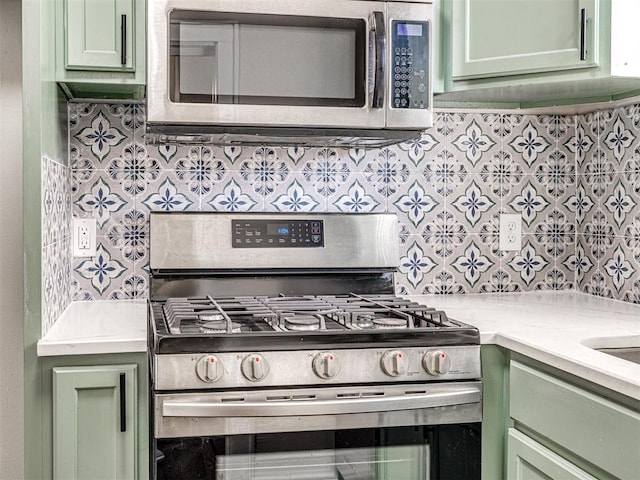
(203, 241)
(280, 408)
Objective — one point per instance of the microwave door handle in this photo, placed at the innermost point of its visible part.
(378, 40)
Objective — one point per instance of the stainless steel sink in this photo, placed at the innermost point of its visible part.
(632, 354)
(626, 348)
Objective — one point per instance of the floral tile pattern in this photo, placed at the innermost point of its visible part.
(56, 230)
(574, 179)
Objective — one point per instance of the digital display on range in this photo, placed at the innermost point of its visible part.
(277, 234)
(277, 229)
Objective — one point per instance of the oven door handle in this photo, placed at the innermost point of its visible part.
(288, 408)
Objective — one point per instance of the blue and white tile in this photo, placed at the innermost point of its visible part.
(295, 195)
(445, 234)
(102, 198)
(97, 136)
(531, 201)
(555, 233)
(556, 174)
(530, 142)
(529, 265)
(232, 195)
(168, 193)
(471, 264)
(444, 172)
(102, 274)
(619, 269)
(359, 196)
(421, 149)
(416, 205)
(620, 203)
(472, 140)
(470, 203)
(503, 174)
(418, 265)
(619, 138)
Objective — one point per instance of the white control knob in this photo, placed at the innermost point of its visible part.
(326, 365)
(436, 362)
(209, 368)
(394, 363)
(254, 367)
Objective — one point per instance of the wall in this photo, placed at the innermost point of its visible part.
(447, 190)
(607, 203)
(11, 364)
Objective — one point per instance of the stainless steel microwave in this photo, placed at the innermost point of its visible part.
(293, 71)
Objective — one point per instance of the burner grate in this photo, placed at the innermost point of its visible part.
(229, 315)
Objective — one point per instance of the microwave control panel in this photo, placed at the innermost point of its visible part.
(277, 233)
(410, 65)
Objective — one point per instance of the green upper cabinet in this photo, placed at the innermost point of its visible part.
(98, 34)
(95, 423)
(503, 37)
(100, 48)
(527, 53)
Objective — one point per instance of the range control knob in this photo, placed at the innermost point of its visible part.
(436, 362)
(209, 368)
(326, 365)
(254, 367)
(394, 363)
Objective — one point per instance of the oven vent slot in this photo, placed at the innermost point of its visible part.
(233, 399)
(288, 398)
(373, 394)
(348, 395)
(360, 395)
(415, 392)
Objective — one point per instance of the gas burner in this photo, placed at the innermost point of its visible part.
(364, 321)
(211, 317)
(219, 326)
(303, 323)
(389, 322)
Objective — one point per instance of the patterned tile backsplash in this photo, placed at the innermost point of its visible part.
(574, 179)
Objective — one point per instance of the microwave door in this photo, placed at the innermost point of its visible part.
(273, 63)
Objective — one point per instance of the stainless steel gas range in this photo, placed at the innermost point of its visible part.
(279, 351)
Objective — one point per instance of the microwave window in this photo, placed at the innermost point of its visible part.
(266, 59)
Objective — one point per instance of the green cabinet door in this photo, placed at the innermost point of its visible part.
(95, 423)
(493, 38)
(99, 34)
(528, 460)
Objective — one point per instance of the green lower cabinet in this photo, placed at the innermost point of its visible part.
(95, 423)
(528, 460)
(571, 420)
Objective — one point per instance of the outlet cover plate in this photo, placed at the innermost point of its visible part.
(84, 237)
(510, 232)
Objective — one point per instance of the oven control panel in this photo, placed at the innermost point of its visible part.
(280, 233)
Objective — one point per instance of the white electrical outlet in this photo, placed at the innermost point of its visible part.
(510, 232)
(84, 237)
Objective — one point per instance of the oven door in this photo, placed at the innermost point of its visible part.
(409, 432)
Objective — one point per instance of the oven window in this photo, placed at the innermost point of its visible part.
(266, 59)
(448, 452)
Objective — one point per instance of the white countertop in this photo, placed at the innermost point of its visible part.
(546, 326)
(555, 328)
(101, 326)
